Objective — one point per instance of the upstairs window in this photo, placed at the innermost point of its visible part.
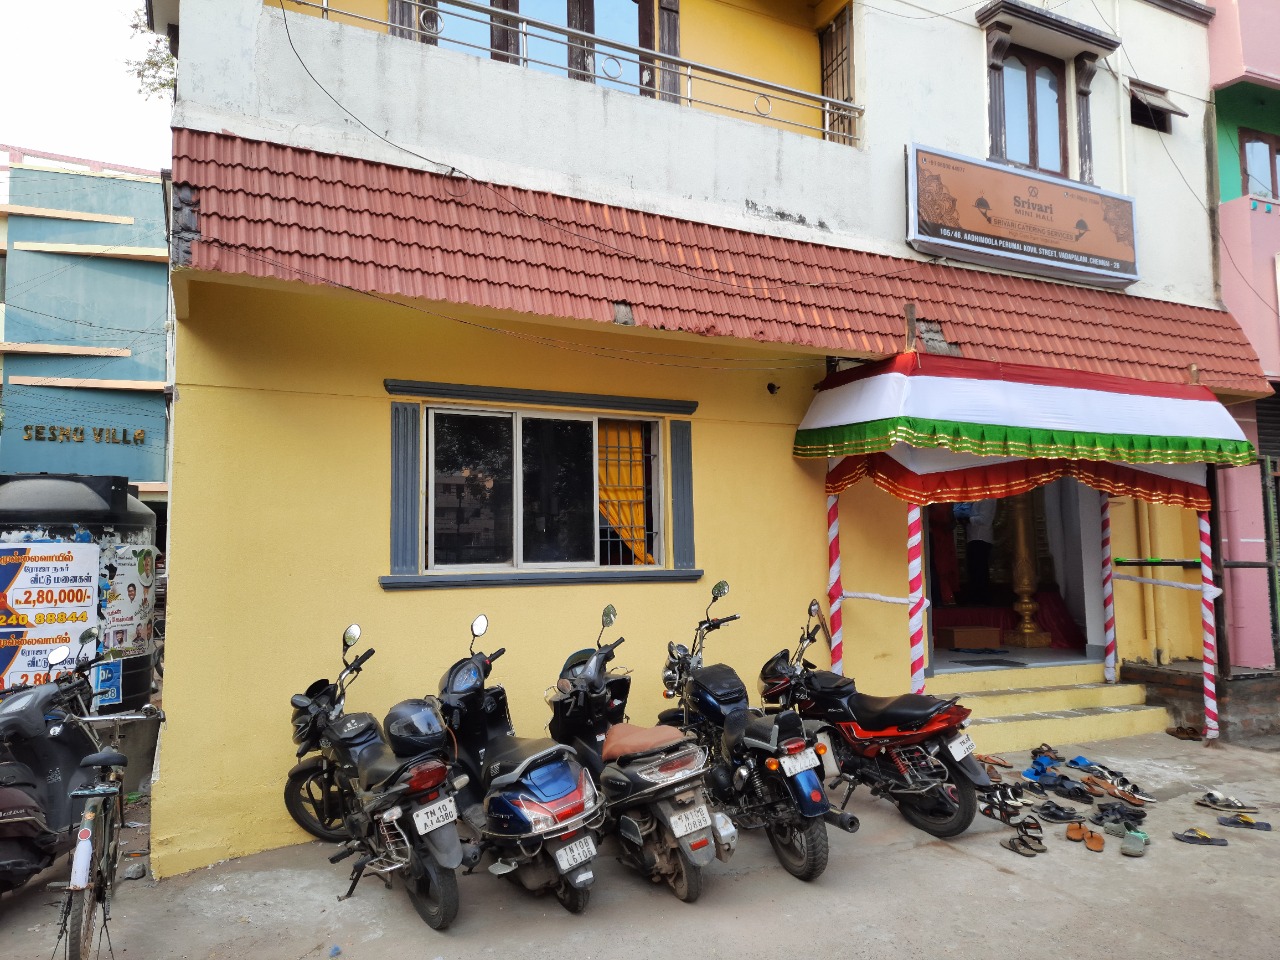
(1034, 121)
(837, 74)
(1260, 164)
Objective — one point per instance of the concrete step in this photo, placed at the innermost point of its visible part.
(997, 679)
(1022, 731)
(1024, 700)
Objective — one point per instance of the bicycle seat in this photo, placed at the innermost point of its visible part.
(107, 758)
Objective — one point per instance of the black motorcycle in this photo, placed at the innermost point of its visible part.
(390, 797)
(42, 744)
(529, 801)
(764, 770)
(651, 776)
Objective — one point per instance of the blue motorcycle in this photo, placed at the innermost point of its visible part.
(765, 770)
(529, 802)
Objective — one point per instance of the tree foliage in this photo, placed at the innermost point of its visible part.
(157, 71)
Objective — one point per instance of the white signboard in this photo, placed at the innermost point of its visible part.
(48, 596)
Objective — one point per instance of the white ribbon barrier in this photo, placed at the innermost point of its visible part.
(1213, 592)
(881, 598)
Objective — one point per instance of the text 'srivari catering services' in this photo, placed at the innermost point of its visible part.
(48, 596)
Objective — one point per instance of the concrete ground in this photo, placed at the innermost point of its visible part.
(890, 892)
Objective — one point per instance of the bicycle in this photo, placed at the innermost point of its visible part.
(97, 850)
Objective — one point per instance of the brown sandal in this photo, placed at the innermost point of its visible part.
(1076, 832)
(992, 759)
(1093, 841)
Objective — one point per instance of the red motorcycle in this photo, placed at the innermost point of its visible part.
(910, 749)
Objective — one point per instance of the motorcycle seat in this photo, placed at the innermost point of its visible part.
(627, 739)
(880, 713)
(509, 758)
(824, 681)
(377, 763)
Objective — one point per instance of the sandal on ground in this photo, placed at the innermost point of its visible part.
(1121, 828)
(1137, 814)
(1070, 790)
(1032, 841)
(997, 810)
(1131, 788)
(1056, 813)
(1019, 845)
(993, 760)
(1184, 733)
(1044, 750)
(1133, 846)
(1094, 841)
(1076, 832)
(1035, 788)
(1216, 801)
(1244, 820)
(1196, 835)
(993, 774)
(1096, 787)
(1081, 763)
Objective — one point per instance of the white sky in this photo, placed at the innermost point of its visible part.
(67, 89)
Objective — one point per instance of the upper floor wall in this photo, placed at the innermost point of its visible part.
(701, 142)
(1243, 42)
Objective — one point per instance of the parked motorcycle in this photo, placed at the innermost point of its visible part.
(390, 797)
(42, 745)
(651, 776)
(911, 749)
(763, 769)
(529, 801)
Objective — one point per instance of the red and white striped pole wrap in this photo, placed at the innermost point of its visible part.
(835, 590)
(1208, 623)
(1108, 595)
(915, 600)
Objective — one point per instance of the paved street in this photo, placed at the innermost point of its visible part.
(890, 891)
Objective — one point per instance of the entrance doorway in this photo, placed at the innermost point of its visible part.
(1012, 582)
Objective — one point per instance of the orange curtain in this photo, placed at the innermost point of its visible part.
(622, 483)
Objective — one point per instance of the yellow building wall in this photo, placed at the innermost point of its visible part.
(1154, 622)
(763, 39)
(279, 522)
(373, 10)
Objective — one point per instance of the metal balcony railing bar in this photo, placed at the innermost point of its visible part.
(659, 76)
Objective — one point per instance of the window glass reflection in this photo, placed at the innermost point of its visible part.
(1017, 119)
(473, 483)
(1048, 134)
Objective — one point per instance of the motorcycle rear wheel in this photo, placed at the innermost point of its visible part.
(434, 895)
(686, 882)
(801, 848)
(924, 812)
(305, 799)
(574, 899)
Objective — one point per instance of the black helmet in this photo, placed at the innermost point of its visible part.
(415, 726)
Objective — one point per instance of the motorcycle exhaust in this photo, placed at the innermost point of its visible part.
(843, 819)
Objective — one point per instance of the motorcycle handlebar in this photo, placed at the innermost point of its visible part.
(497, 653)
(362, 659)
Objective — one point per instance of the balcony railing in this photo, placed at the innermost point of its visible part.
(509, 37)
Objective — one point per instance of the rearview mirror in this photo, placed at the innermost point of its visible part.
(814, 608)
(299, 702)
(60, 655)
(350, 636)
(609, 615)
(479, 626)
(720, 589)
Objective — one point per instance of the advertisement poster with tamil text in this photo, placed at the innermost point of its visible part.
(48, 597)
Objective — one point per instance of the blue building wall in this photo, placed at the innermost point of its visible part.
(85, 301)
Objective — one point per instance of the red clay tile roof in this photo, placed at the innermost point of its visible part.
(292, 214)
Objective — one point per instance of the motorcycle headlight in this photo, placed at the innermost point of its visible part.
(670, 675)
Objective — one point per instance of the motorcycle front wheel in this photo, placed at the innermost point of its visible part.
(314, 801)
(574, 899)
(434, 895)
(801, 847)
(929, 812)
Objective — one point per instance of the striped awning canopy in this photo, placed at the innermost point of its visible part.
(932, 429)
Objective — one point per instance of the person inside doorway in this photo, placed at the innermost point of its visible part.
(980, 520)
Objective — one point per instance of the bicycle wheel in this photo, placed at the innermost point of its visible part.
(82, 923)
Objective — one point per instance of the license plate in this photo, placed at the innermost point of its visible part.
(690, 820)
(580, 851)
(438, 814)
(804, 760)
(961, 746)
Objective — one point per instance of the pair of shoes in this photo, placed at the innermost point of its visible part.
(1078, 833)
(1184, 733)
(1216, 801)
(1070, 790)
(1011, 795)
(1031, 833)
(993, 774)
(993, 760)
(1022, 846)
(1098, 787)
(1244, 820)
(1136, 814)
(1117, 813)
(998, 809)
(1196, 835)
(1044, 750)
(1056, 813)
